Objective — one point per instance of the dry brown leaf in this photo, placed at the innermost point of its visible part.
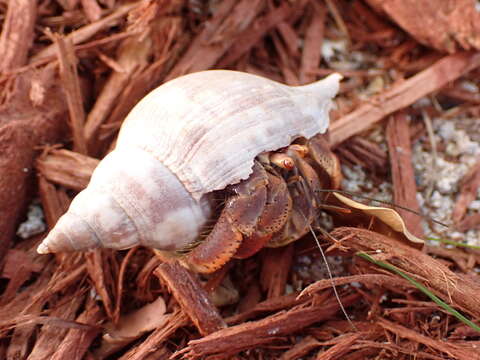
(138, 322)
(131, 326)
(386, 215)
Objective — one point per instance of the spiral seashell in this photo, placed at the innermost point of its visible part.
(189, 137)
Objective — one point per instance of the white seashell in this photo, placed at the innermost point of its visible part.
(189, 137)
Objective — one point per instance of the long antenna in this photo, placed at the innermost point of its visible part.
(330, 276)
(305, 185)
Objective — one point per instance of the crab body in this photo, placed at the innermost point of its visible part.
(275, 206)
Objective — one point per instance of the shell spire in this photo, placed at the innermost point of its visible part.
(131, 199)
(189, 137)
(325, 88)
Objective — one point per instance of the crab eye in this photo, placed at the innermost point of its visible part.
(282, 160)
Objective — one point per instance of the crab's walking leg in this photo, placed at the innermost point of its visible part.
(275, 214)
(302, 187)
(238, 218)
(328, 163)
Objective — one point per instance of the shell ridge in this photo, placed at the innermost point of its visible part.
(167, 166)
(93, 231)
(158, 202)
(222, 114)
(124, 207)
(237, 174)
(182, 168)
(143, 221)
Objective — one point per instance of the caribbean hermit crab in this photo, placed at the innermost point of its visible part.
(253, 142)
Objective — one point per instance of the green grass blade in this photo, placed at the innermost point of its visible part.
(454, 243)
(423, 289)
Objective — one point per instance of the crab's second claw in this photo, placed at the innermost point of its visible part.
(238, 219)
(275, 215)
(218, 248)
(251, 245)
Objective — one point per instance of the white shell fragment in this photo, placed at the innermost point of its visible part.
(189, 137)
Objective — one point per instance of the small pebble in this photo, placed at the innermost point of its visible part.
(461, 153)
(34, 224)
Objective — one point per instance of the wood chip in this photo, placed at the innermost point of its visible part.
(261, 26)
(93, 11)
(71, 86)
(101, 275)
(338, 350)
(54, 202)
(364, 279)
(453, 288)
(132, 56)
(131, 326)
(252, 334)
(67, 168)
(17, 268)
(269, 305)
(468, 192)
(191, 296)
(403, 94)
(51, 336)
(443, 24)
(18, 25)
(154, 341)
(452, 350)
(88, 31)
(312, 48)
(276, 263)
(230, 19)
(301, 348)
(19, 135)
(403, 176)
(469, 222)
(76, 342)
(369, 155)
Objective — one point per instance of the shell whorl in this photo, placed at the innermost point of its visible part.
(189, 137)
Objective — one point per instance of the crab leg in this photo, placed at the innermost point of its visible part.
(302, 185)
(275, 215)
(326, 160)
(238, 218)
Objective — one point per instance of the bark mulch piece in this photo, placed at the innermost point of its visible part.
(469, 188)
(192, 298)
(251, 334)
(443, 25)
(453, 288)
(70, 72)
(403, 178)
(27, 117)
(403, 94)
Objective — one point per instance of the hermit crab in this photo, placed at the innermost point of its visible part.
(227, 148)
